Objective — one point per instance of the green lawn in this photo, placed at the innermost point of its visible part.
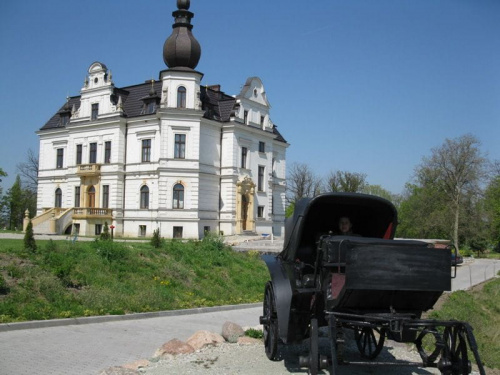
(63, 280)
(481, 308)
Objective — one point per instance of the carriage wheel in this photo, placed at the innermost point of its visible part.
(270, 324)
(314, 347)
(368, 344)
(455, 351)
(429, 357)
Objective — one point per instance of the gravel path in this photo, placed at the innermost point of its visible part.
(230, 359)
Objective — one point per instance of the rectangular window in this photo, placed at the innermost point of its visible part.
(60, 155)
(244, 152)
(245, 117)
(206, 230)
(105, 196)
(142, 231)
(262, 120)
(107, 152)
(95, 111)
(78, 154)
(146, 150)
(98, 229)
(260, 181)
(64, 119)
(262, 147)
(93, 153)
(260, 211)
(77, 196)
(180, 146)
(177, 232)
(76, 229)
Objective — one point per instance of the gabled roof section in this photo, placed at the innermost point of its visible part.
(253, 90)
(217, 105)
(55, 121)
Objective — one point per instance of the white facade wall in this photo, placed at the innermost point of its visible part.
(209, 171)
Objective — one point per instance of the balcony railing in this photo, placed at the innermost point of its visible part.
(89, 169)
(89, 212)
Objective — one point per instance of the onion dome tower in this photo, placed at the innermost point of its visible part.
(181, 49)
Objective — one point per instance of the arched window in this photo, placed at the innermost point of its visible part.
(178, 196)
(145, 197)
(91, 196)
(181, 97)
(58, 202)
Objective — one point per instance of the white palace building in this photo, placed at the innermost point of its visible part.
(167, 154)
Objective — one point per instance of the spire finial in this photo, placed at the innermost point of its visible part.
(181, 49)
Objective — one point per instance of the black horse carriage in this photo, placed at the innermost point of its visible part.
(369, 283)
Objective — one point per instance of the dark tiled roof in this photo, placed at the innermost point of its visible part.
(55, 121)
(217, 105)
(279, 137)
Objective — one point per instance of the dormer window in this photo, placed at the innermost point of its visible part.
(95, 111)
(262, 118)
(245, 117)
(181, 97)
(151, 107)
(64, 119)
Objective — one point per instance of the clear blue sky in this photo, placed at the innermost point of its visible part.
(359, 85)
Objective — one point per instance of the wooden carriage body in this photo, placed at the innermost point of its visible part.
(367, 273)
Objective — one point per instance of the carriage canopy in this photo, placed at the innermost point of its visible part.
(370, 215)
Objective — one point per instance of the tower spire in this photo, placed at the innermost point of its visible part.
(181, 49)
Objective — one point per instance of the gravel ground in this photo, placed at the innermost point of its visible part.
(230, 359)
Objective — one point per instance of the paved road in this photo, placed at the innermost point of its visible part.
(85, 349)
(474, 272)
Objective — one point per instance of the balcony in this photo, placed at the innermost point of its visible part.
(88, 170)
(92, 213)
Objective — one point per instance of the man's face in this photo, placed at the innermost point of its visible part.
(344, 225)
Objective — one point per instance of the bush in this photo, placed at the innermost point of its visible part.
(109, 250)
(213, 242)
(105, 236)
(156, 240)
(29, 238)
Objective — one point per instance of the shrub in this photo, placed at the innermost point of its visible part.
(29, 238)
(105, 236)
(109, 250)
(213, 242)
(156, 240)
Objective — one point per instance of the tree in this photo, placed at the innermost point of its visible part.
(13, 205)
(456, 168)
(344, 181)
(302, 182)
(2, 174)
(379, 191)
(29, 238)
(492, 208)
(29, 171)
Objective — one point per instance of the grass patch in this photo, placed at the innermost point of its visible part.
(481, 308)
(63, 280)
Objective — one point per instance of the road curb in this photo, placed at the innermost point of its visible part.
(5, 327)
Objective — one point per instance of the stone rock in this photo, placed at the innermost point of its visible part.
(202, 338)
(174, 347)
(231, 332)
(141, 363)
(118, 370)
(245, 340)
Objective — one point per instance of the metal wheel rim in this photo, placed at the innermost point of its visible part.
(368, 345)
(456, 343)
(270, 330)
